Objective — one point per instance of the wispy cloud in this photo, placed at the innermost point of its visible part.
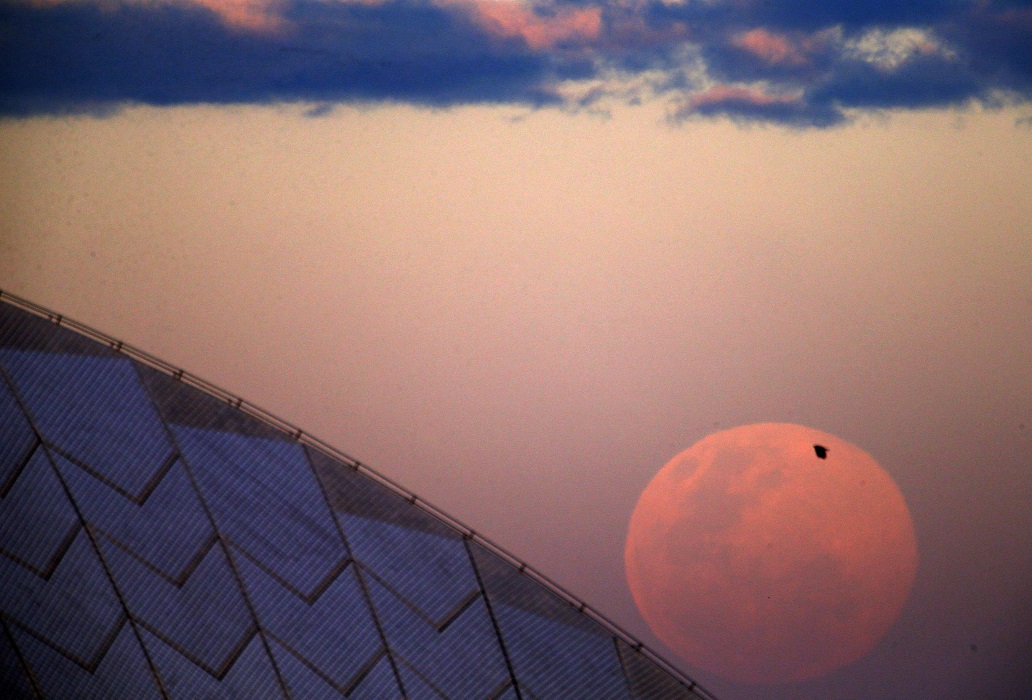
(798, 62)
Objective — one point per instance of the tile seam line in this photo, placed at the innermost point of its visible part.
(84, 526)
(298, 435)
(222, 542)
(26, 669)
(506, 656)
(363, 585)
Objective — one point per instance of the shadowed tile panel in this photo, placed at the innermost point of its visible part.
(335, 633)
(430, 572)
(37, 522)
(75, 610)
(555, 650)
(250, 676)
(463, 660)
(353, 493)
(122, 672)
(14, 684)
(93, 409)
(206, 617)
(185, 405)
(168, 530)
(649, 682)
(16, 437)
(24, 331)
(379, 684)
(265, 500)
(416, 688)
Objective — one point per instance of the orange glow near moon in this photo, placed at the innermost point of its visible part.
(753, 558)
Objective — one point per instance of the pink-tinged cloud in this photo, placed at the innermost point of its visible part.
(254, 15)
(750, 103)
(513, 19)
(775, 49)
(738, 96)
(257, 15)
(508, 18)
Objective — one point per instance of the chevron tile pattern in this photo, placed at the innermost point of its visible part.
(158, 542)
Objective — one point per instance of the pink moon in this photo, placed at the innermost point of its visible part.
(771, 553)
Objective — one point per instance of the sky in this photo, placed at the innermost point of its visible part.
(518, 256)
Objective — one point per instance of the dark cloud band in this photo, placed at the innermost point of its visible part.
(796, 62)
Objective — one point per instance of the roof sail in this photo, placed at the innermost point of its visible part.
(161, 538)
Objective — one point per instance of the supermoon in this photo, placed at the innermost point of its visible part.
(752, 557)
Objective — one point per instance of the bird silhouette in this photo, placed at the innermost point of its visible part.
(821, 451)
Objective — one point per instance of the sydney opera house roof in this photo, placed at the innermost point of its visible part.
(160, 538)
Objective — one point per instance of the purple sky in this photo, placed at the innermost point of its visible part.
(521, 307)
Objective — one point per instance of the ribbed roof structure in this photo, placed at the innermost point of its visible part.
(160, 538)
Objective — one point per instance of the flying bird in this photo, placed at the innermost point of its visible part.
(821, 451)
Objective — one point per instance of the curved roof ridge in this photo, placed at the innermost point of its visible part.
(300, 436)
